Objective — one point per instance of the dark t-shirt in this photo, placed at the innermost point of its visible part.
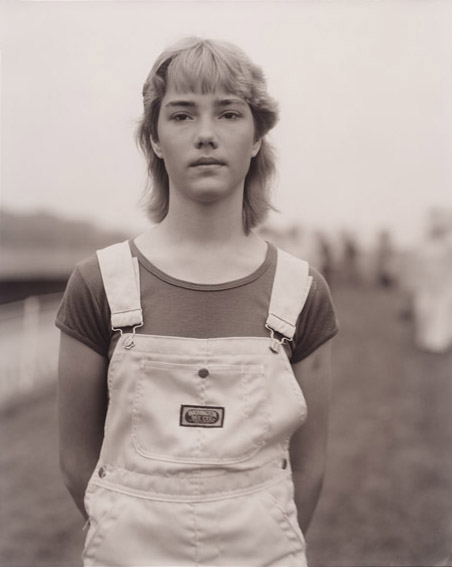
(173, 307)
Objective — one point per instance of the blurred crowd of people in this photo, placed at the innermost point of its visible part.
(427, 282)
(340, 258)
(422, 275)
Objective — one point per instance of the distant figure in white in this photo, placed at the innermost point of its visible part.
(431, 279)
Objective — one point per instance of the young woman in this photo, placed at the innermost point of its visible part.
(191, 355)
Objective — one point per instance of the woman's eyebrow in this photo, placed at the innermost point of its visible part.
(185, 103)
(229, 101)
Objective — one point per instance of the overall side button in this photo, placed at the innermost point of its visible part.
(203, 373)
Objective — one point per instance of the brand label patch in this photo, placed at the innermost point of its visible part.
(201, 416)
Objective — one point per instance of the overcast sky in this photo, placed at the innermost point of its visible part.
(365, 135)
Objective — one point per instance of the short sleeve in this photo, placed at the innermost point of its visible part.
(317, 323)
(84, 312)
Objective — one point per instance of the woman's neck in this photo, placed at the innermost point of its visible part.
(203, 242)
(204, 224)
(203, 250)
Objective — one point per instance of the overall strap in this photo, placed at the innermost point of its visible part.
(289, 293)
(120, 275)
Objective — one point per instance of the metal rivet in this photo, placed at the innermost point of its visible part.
(203, 373)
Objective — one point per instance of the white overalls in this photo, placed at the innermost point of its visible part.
(194, 469)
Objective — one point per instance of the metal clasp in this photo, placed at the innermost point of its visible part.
(275, 344)
(129, 342)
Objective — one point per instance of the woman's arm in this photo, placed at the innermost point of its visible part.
(308, 444)
(82, 406)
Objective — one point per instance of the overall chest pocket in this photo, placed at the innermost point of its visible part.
(200, 413)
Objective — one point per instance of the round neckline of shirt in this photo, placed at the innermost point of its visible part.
(150, 267)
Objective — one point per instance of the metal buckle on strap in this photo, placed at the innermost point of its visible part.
(275, 344)
(129, 342)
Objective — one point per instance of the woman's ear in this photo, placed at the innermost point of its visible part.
(256, 147)
(156, 147)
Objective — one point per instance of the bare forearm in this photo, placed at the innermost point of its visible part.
(77, 491)
(77, 463)
(76, 481)
(308, 445)
(308, 488)
(82, 407)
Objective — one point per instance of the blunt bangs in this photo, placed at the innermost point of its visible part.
(205, 69)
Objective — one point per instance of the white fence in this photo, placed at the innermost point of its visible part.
(28, 345)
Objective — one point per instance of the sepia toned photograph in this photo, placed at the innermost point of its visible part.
(226, 283)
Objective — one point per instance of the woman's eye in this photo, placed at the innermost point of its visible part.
(230, 115)
(181, 117)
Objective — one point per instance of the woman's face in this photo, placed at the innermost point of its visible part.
(207, 142)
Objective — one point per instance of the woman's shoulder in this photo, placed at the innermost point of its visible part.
(84, 312)
(319, 285)
(317, 322)
(88, 270)
(86, 279)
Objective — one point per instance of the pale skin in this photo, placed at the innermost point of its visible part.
(202, 239)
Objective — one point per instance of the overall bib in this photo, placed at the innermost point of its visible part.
(194, 468)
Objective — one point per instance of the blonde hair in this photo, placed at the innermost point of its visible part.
(202, 66)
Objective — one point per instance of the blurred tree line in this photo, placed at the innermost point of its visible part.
(45, 229)
(39, 250)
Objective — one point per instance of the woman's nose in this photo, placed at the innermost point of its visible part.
(205, 136)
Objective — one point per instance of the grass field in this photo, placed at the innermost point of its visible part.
(387, 499)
